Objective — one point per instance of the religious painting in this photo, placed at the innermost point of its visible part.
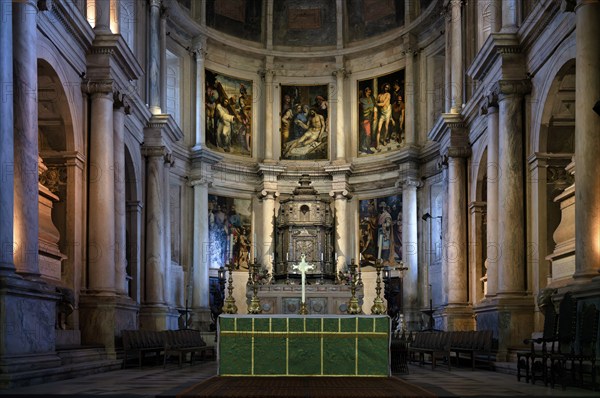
(380, 230)
(230, 231)
(369, 18)
(228, 114)
(239, 18)
(304, 122)
(381, 111)
(307, 23)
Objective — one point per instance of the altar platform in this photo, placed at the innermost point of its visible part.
(312, 345)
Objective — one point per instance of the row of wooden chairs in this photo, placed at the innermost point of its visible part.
(566, 351)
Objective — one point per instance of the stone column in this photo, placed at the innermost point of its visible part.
(6, 141)
(102, 18)
(101, 198)
(457, 73)
(168, 163)
(490, 108)
(201, 246)
(341, 235)
(120, 201)
(264, 251)
(410, 253)
(509, 15)
(269, 114)
(200, 56)
(410, 50)
(155, 225)
(163, 58)
(587, 140)
(25, 138)
(134, 210)
(340, 136)
(154, 57)
(511, 226)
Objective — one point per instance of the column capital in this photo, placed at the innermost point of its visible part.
(200, 181)
(477, 207)
(267, 194)
(505, 88)
(120, 102)
(341, 73)
(409, 182)
(410, 45)
(489, 103)
(266, 74)
(340, 194)
(154, 3)
(154, 151)
(458, 152)
(98, 86)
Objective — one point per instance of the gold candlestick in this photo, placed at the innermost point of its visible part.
(378, 307)
(230, 307)
(254, 306)
(354, 305)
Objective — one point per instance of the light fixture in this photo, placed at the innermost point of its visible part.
(427, 216)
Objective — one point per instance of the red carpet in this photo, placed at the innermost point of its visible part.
(304, 387)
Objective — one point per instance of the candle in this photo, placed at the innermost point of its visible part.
(230, 247)
(287, 256)
(379, 244)
(321, 257)
(359, 258)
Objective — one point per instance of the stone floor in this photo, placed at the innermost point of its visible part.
(154, 381)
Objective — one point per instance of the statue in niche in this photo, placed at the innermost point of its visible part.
(64, 307)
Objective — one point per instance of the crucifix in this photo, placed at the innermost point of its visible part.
(303, 267)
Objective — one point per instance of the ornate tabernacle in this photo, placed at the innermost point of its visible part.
(305, 226)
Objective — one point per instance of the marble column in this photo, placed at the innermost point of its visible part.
(456, 246)
(263, 252)
(410, 253)
(101, 197)
(201, 248)
(6, 141)
(447, 61)
(409, 93)
(154, 57)
(340, 136)
(509, 15)
(120, 200)
(163, 58)
(493, 174)
(102, 18)
(155, 225)
(200, 56)
(457, 73)
(511, 226)
(269, 114)
(341, 235)
(587, 140)
(134, 221)
(169, 161)
(25, 138)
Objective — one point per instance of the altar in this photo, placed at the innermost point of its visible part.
(312, 345)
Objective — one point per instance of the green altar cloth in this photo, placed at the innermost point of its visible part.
(312, 345)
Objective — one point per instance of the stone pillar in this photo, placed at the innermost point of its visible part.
(511, 226)
(457, 73)
(340, 136)
(25, 138)
(154, 57)
(120, 200)
(101, 197)
(410, 253)
(269, 115)
(168, 293)
(200, 56)
(201, 246)
(587, 140)
(495, 15)
(6, 141)
(410, 50)
(341, 236)
(102, 18)
(163, 58)
(155, 225)
(264, 251)
(493, 174)
(457, 313)
(509, 15)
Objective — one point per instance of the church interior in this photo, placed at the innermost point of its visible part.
(172, 164)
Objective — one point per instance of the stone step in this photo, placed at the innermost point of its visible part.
(80, 354)
(67, 371)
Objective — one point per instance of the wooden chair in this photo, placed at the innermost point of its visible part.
(535, 361)
(564, 346)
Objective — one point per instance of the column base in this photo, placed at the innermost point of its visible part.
(511, 320)
(158, 317)
(103, 317)
(457, 317)
(413, 320)
(201, 319)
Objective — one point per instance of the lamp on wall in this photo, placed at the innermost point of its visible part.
(427, 216)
